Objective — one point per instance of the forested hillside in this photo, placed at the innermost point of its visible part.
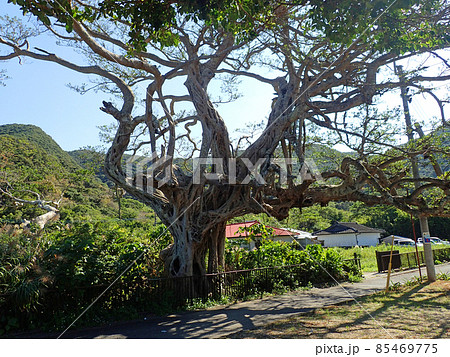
(37, 137)
(33, 163)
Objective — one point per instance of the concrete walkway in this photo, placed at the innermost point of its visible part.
(223, 320)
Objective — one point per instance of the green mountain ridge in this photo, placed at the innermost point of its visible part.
(41, 139)
(31, 161)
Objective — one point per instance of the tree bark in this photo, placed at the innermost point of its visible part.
(43, 219)
(187, 255)
(216, 249)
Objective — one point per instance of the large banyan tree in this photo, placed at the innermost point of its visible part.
(329, 63)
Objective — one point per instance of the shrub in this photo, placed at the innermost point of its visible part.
(441, 255)
(319, 265)
(46, 280)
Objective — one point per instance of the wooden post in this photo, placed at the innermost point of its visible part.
(415, 244)
(389, 267)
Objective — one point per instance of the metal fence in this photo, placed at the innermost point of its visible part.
(241, 283)
(409, 260)
(233, 284)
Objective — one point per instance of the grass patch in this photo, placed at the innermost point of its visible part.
(368, 256)
(412, 311)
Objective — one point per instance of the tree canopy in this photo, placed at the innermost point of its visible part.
(340, 21)
(328, 62)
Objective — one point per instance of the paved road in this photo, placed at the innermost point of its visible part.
(224, 320)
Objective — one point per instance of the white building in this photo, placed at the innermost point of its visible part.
(349, 234)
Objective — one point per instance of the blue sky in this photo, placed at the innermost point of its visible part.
(36, 93)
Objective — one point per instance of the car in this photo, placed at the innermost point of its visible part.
(409, 243)
(399, 241)
(437, 240)
(404, 243)
(434, 240)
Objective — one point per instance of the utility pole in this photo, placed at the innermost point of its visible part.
(425, 230)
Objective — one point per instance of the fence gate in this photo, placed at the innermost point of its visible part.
(383, 260)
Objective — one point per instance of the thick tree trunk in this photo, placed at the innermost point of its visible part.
(216, 248)
(187, 255)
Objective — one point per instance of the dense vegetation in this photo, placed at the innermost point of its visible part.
(48, 278)
(41, 140)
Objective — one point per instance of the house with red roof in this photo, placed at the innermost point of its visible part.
(279, 234)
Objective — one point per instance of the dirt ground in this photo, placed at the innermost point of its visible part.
(420, 311)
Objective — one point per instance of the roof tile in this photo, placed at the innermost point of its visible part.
(232, 230)
(347, 227)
